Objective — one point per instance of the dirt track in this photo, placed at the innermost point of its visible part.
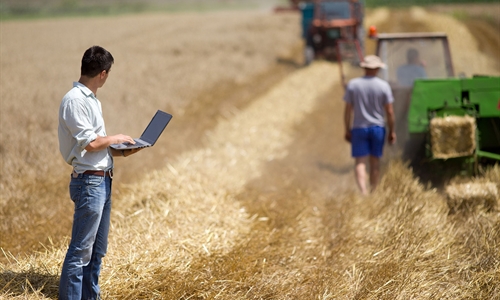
(267, 145)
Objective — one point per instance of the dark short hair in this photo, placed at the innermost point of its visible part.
(95, 60)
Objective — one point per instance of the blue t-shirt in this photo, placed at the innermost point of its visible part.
(368, 96)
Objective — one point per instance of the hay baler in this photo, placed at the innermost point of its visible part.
(456, 118)
(439, 117)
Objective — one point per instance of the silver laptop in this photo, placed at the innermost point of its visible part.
(150, 134)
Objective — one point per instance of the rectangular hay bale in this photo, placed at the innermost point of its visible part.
(453, 136)
(472, 195)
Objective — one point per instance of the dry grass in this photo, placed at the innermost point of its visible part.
(262, 205)
(469, 11)
(403, 244)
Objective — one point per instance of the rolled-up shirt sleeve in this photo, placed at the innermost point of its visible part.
(78, 123)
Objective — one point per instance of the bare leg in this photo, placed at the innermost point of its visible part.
(374, 172)
(360, 172)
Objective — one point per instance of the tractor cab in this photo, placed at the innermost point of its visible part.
(334, 10)
(453, 122)
(411, 56)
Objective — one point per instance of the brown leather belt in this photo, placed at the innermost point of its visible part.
(99, 173)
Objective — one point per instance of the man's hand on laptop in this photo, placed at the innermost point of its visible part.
(102, 142)
(121, 138)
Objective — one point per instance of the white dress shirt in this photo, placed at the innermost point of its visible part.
(80, 122)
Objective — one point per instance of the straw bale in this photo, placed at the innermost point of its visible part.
(472, 195)
(453, 136)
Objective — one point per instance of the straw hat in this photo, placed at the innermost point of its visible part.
(372, 62)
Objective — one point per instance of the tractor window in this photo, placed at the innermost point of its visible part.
(409, 59)
(336, 10)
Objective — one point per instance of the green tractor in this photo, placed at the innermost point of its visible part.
(444, 124)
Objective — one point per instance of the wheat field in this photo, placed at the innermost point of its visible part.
(249, 193)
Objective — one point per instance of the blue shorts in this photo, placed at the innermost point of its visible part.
(367, 141)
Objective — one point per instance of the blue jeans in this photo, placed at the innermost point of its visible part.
(89, 238)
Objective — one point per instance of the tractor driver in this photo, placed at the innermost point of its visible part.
(412, 70)
(367, 100)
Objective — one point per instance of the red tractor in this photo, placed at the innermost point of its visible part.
(333, 30)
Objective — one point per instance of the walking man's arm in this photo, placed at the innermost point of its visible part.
(391, 137)
(347, 121)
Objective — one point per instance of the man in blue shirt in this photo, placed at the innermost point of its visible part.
(367, 100)
(84, 145)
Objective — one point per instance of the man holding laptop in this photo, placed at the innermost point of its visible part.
(84, 145)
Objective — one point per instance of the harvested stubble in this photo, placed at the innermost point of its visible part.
(398, 244)
(452, 136)
(194, 197)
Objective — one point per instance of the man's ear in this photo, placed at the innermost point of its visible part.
(102, 74)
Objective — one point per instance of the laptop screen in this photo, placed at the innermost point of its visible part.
(156, 127)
